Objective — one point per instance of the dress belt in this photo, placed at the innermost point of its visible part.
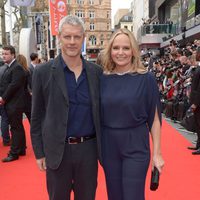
(77, 140)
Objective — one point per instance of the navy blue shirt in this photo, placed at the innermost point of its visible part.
(80, 121)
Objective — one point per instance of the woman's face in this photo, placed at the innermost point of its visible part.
(121, 52)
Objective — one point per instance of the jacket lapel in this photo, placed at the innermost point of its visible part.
(59, 76)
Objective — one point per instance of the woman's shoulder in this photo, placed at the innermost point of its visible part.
(150, 76)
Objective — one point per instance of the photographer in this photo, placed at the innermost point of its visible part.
(195, 101)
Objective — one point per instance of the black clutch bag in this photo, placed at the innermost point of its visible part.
(154, 179)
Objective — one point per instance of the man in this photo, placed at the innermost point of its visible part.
(4, 118)
(34, 61)
(12, 97)
(65, 125)
(195, 101)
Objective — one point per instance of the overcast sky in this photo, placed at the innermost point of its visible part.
(119, 4)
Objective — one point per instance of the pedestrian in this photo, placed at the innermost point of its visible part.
(12, 97)
(130, 109)
(34, 62)
(4, 117)
(195, 101)
(21, 59)
(65, 124)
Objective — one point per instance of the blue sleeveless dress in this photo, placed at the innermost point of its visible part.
(128, 105)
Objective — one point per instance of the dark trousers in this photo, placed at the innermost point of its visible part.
(197, 119)
(18, 143)
(4, 125)
(77, 172)
(126, 157)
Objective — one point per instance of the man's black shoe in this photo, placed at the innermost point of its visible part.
(197, 152)
(192, 148)
(10, 158)
(6, 144)
(22, 153)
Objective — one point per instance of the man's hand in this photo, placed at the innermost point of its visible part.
(2, 102)
(193, 107)
(41, 164)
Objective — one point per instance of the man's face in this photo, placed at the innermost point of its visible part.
(71, 39)
(7, 56)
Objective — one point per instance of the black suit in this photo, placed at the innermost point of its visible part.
(50, 107)
(195, 99)
(12, 91)
(31, 69)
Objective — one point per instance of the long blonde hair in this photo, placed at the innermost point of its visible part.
(107, 61)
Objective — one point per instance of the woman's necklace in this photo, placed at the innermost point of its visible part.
(123, 73)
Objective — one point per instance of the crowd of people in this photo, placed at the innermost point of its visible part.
(175, 71)
(82, 113)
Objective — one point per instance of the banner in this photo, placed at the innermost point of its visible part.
(58, 10)
(26, 3)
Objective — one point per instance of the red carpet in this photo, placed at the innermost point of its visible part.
(180, 180)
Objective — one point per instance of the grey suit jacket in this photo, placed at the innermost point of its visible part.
(50, 107)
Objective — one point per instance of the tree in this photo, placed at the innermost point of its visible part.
(2, 22)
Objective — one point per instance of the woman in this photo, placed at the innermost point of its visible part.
(21, 59)
(130, 110)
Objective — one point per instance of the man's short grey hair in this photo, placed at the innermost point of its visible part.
(71, 20)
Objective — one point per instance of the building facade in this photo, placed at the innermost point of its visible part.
(96, 15)
(119, 14)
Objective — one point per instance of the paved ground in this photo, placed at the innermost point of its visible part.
(187, 134)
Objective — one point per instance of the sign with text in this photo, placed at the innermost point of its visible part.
(58, 10)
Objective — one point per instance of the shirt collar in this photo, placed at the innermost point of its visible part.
(11, 62)
(65, 65)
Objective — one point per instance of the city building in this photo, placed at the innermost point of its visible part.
(157, 22)
(119, 14)
(126, 21)
(96, 15)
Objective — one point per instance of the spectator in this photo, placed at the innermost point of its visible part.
(4, 118)
(27, 89)
(195, 102)
(34, 61)
(12, 96)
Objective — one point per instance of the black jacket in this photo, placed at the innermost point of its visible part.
(195, 88)
(50, 107)
(12, 87)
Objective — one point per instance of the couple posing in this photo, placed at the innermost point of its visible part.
(81, 113)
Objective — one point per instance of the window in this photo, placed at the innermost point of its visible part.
(108, 26)
(126, 18)
(108, 14)
(79, 13)
(91, 2)
(80, 2)
(68, 1)
(91, 26)
(101, 42)
(126, 27)
(91, 14)
(92, 40)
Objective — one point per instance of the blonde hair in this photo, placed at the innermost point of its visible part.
(107, 61)
(21, 59)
